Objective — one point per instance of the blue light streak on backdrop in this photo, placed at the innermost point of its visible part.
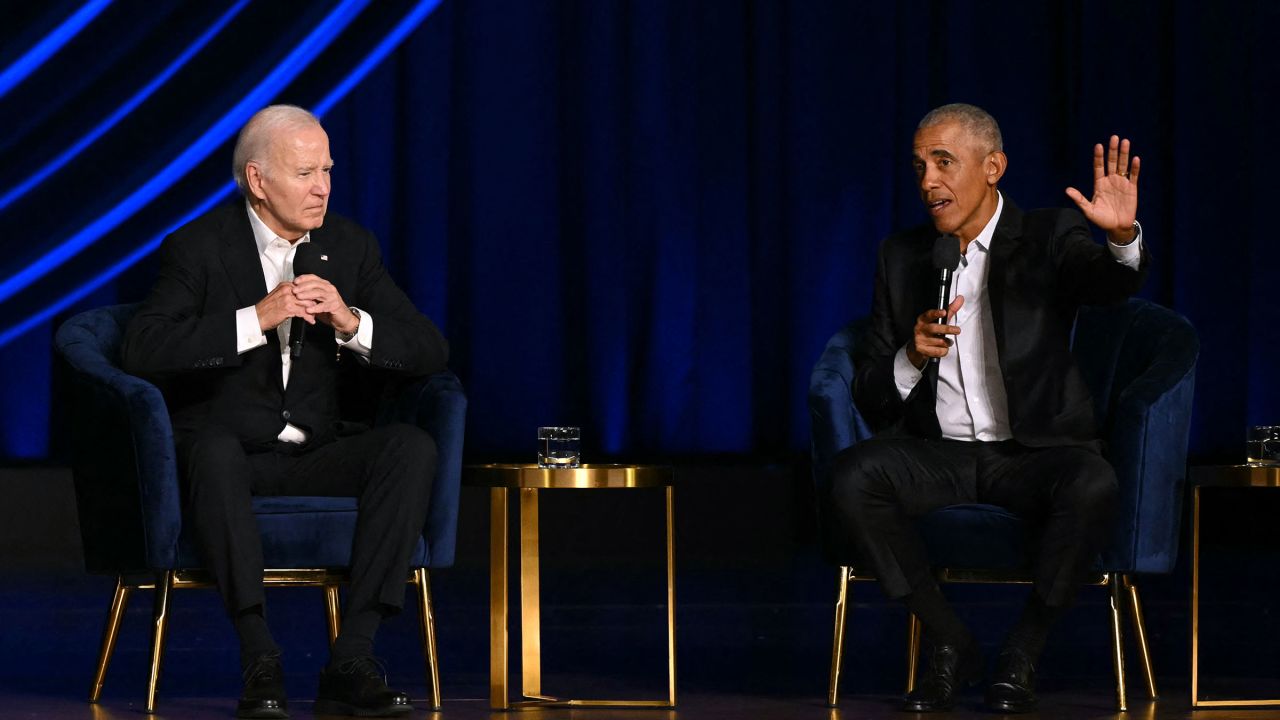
(379, 53)
(49, 45)
(214, 137)
(121, 112)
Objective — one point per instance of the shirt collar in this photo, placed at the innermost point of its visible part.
(263, 235)
(983, 241)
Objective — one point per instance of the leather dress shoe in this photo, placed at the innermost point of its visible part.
(1013, 686)
(359, 687)
(951, 669)
(263, 695)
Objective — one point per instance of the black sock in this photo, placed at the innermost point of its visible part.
(941, 623)
(255, 636)
(356, 636)
(1032, 630)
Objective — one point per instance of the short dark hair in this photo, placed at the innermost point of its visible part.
(976, 121)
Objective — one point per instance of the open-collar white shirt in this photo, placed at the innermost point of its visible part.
(276, 255)
(971, 400)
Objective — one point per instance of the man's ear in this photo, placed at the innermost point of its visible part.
(995, 165)
(253, 178)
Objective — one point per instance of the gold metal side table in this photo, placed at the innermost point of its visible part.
(1238, 476)
(529, 480)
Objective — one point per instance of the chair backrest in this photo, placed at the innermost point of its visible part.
(1138, 359)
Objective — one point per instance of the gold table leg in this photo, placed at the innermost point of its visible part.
(1196, 702)
(671, 595)
(530, 610)
(498, 598)
(530, 597)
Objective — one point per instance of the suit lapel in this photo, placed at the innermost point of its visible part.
(244, 267)
(240, 257)
(1004, 243)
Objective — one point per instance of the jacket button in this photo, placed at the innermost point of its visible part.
(285, 414)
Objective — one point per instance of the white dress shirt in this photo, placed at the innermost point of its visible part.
(276, 255)
(971, 400)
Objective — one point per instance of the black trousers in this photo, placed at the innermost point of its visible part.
(389, 469)
(882, 486)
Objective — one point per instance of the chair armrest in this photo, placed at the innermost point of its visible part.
(124, 466)
(834, 421)
(438, 405)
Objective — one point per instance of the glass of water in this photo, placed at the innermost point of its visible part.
(1262, 445)
(558, 447)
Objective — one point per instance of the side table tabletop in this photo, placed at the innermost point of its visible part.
(529, 479)
(1237, 476)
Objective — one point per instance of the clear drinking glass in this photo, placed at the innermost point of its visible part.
(558, 447)
(1262, 445)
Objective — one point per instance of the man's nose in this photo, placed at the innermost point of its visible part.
(928, 179)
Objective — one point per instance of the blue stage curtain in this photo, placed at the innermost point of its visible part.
(645, 218)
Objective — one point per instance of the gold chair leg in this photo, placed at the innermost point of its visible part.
(109, 634)
(914, 630)
(1117, 641)
(428, 634)
(332, 612)
(164, 584)
(837, 642)
(1140, 631)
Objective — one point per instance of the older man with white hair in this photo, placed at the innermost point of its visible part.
(252, 418)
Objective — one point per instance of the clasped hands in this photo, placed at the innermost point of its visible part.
(311, 298)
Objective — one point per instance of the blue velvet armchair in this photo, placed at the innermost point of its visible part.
(1139, 360)
(127, 492)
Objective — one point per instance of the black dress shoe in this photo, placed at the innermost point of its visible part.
(359, 687)
(263, 695)
(951, 669)
(1013, 686)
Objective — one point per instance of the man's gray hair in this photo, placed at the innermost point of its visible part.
(976, 121)
(255, 137)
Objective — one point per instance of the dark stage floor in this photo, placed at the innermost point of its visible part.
(754, 609)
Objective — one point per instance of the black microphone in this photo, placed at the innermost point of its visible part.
(946, 258)
(308, 258)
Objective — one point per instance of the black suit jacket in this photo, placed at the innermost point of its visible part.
(1044, 264)
(184, 335)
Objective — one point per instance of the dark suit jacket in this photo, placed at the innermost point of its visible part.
(1044, 264)
(184, 335)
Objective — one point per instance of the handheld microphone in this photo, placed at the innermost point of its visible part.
(307, 260)
(946, 258)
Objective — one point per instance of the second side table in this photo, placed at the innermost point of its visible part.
(529, 480)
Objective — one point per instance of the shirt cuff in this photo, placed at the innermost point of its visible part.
(362, 342)
(249, 334)
(1128, 255)
(905, 375)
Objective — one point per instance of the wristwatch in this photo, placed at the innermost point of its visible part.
(347, 336)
